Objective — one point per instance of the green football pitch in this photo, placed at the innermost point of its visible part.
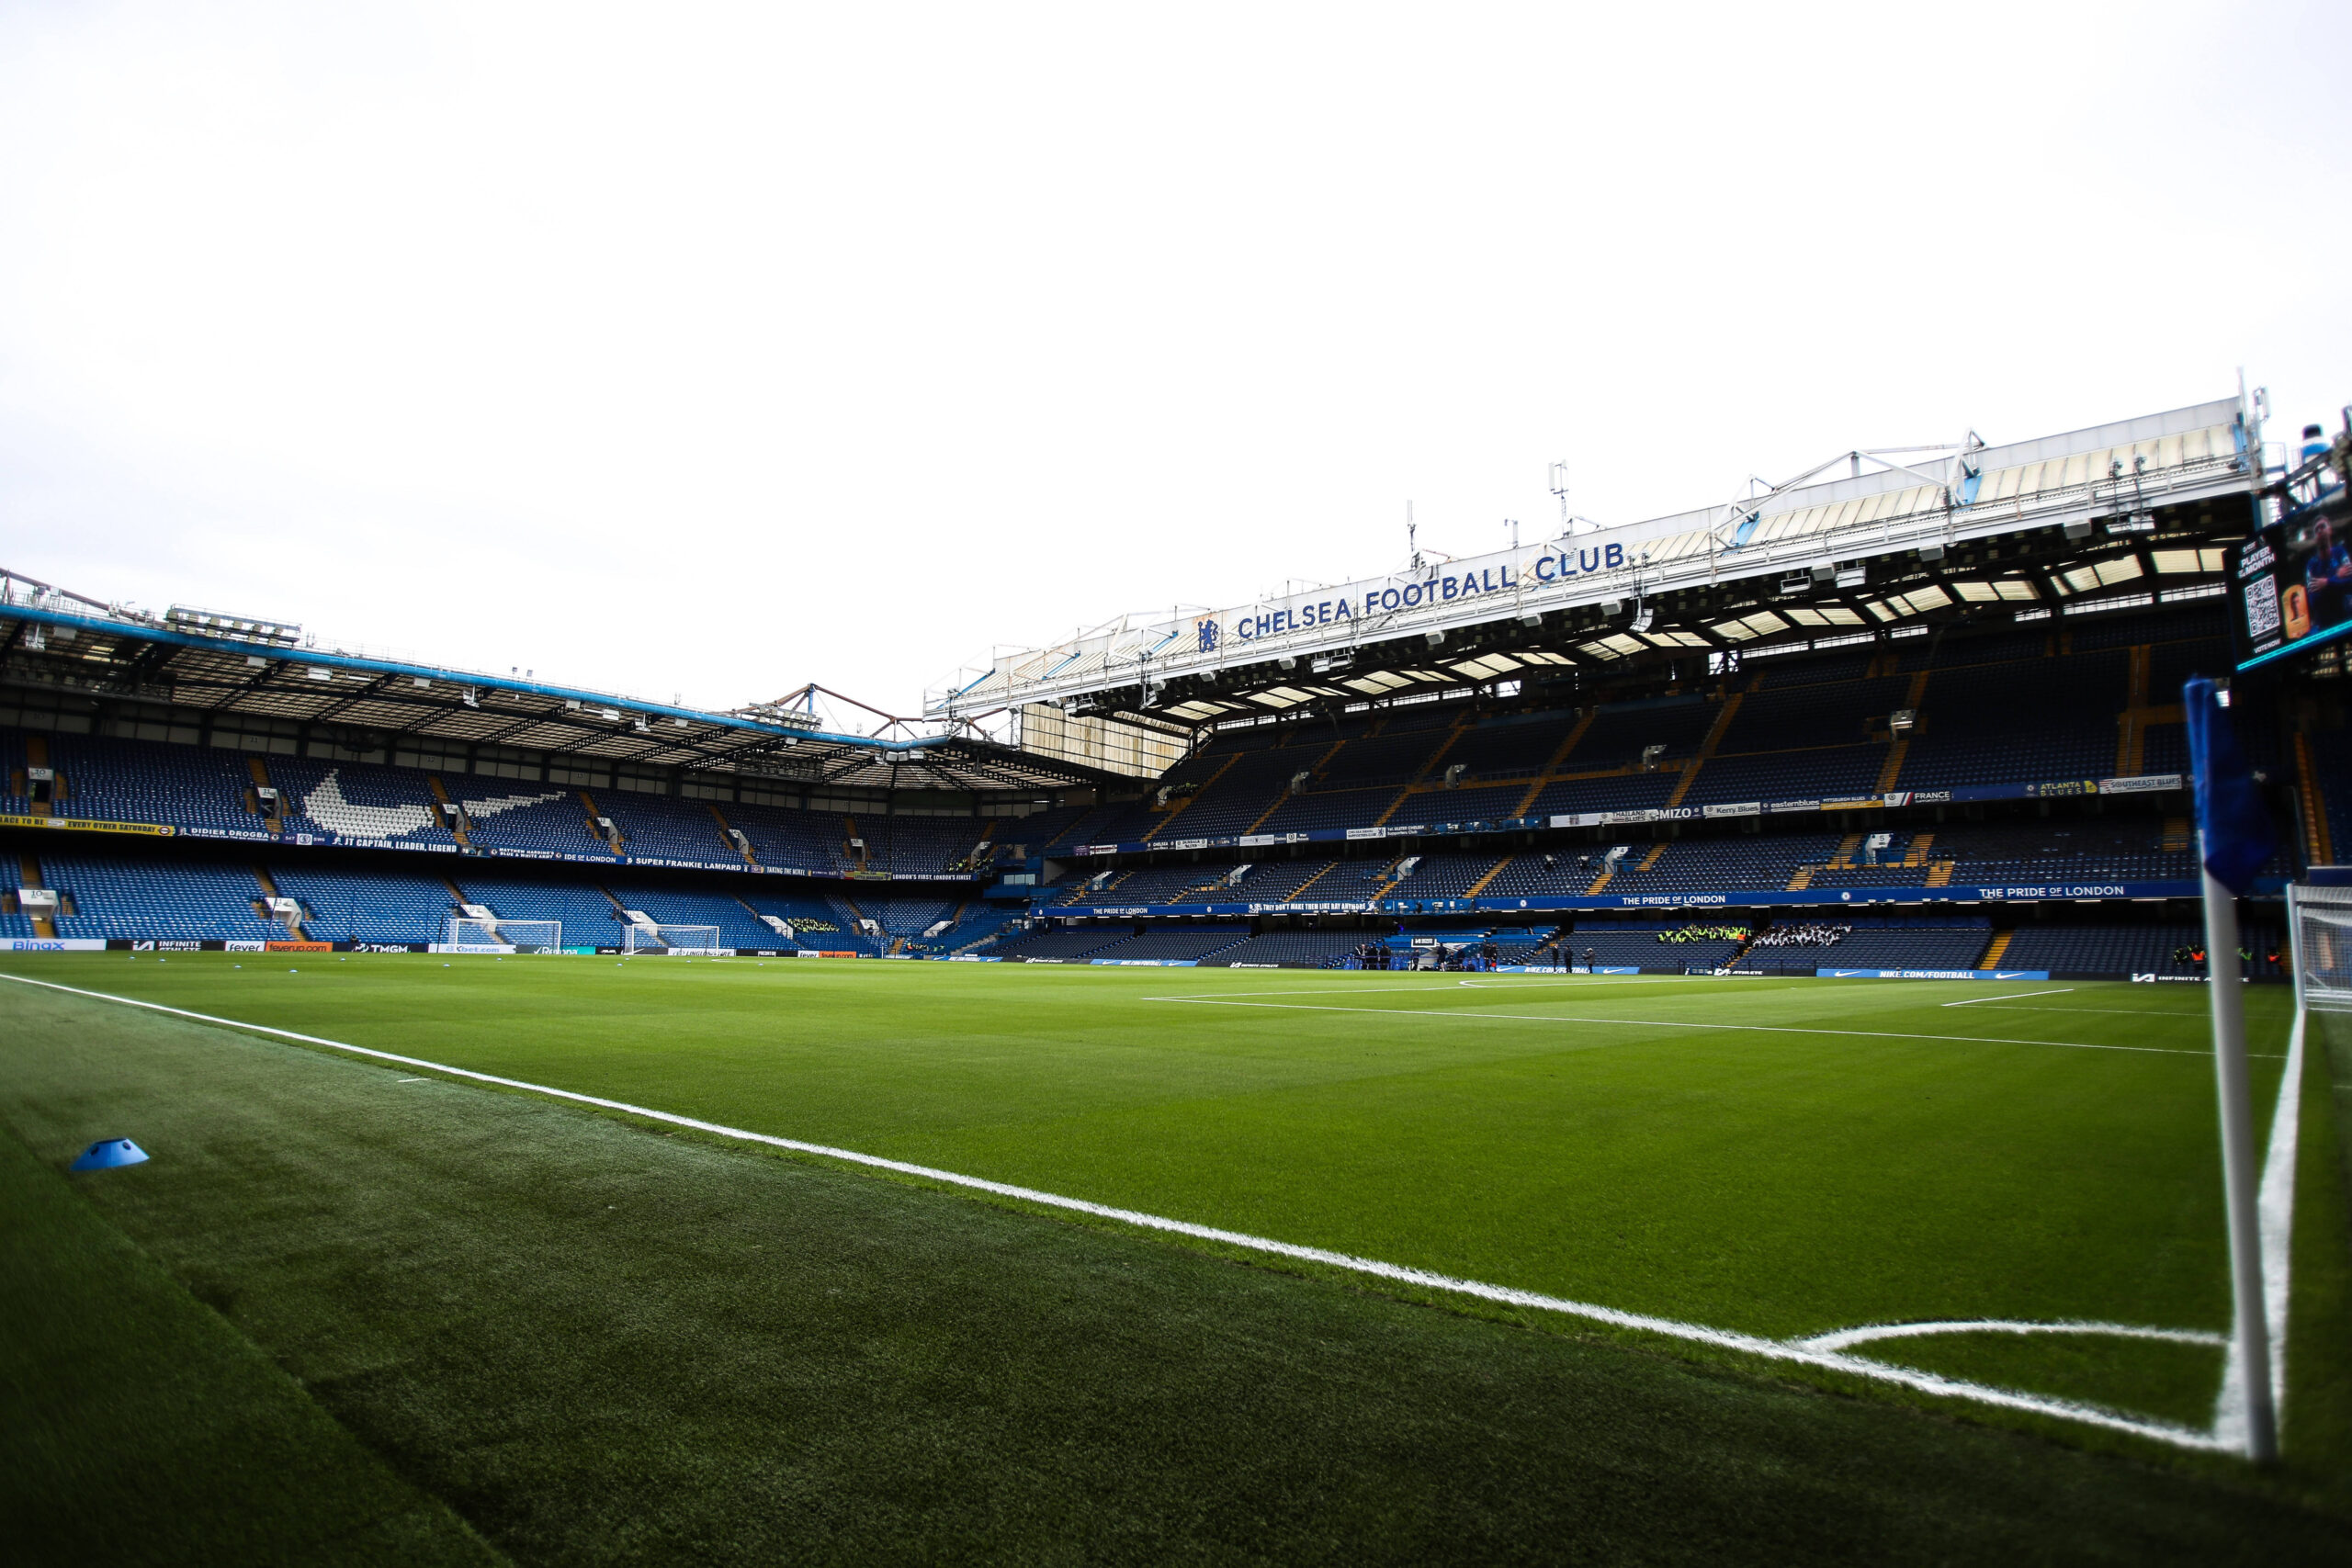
(2001, 1200)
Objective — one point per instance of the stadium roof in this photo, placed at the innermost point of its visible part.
(63, 642)
(1901, 539)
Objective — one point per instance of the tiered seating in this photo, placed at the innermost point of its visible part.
(1245, 791)
(1974, 729)
(1192, 943)
(366, 906)
(135, 781)
(1619, 942)
(817, 921)
(1738, 864)
(589, 918)
(1062, 944)
(1143, 884)
(1927, 941)
(1514, 746)
(1828, 773)
(663, 828)
(353, 800)
(1617, 792)
(1307, 949)
(671, 905)
(2071, 850)
(919, 846)
(2131, 950)
(1328, 808)
(813, 841)
(521, 816)
(156, 896)
(1445, 875)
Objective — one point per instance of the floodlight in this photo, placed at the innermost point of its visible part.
(1852, 576)
(1642, 617)
(1532, 618)
(1435, 639)
(1792, 586)
(1931, 552)
(2078, 528)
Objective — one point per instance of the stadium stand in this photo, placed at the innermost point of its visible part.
(149, 896)
(349, 800)
(343, 904)
(1189, 945)
(590, 917)
(1060, 946)
(1291, 949)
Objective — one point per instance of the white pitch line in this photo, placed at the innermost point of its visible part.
(1681, 1023)
(2008, 997)
(1726, 1339)
(1845, 1338)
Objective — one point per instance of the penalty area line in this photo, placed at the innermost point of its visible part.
(2009, 997)
(1789, 1352)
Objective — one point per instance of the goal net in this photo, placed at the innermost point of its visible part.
(689, 940)
(507, 936)
(2319, 923)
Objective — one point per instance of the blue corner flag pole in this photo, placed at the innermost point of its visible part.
(2234, 837)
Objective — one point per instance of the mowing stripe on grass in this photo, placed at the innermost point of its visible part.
(1680, 1024)
(1771, 1349)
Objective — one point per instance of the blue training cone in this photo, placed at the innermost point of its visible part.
(108, 1153)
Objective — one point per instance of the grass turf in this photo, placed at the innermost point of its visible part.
(1777, 1157)
(602, 1345)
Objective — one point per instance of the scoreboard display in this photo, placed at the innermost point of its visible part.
(2293, 581)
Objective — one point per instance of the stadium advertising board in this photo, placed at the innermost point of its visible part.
(2050, 789)
(89, 825)
(1747, 899)
(1931, 974)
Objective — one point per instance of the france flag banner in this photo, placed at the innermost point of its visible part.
(2231, 821)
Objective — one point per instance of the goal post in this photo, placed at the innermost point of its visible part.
(506, 936)
(2319, 944)
(690, 941)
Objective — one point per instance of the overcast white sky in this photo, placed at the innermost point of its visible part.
(701, 350)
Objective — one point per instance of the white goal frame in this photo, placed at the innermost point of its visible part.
(2319, 944)
(692, 942)
(506, 936)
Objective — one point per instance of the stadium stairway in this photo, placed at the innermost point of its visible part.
(1184, 803)
(28, 875)
(1995, 949)
(1714, 737)
(617, 844)
(1435, 759)
(259, 770)
(1492, 872)
(36, 756)
(1552, 763)
(459, 828)
(727, 831)
(269, 886)
(2318, 848)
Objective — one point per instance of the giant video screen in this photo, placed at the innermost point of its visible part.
(2294, 583)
